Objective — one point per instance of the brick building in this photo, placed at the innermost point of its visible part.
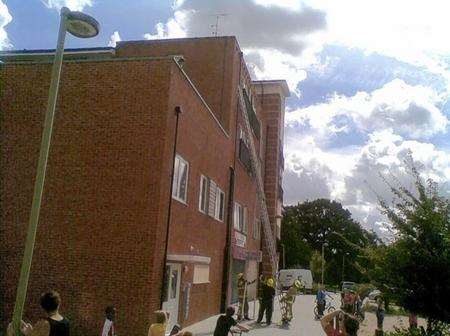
(127, 118)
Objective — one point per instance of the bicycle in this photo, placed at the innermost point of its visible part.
(328, 309)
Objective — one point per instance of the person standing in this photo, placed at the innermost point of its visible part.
(53, 325)
(109, 329)
(268, 293)
(242, 285)
(412, 321)
(380, 316)
(321, 301)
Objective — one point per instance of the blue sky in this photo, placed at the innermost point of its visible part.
(370, 80)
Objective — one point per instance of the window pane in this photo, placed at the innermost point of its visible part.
(222, 205)
(212, 198)
(203, 193)
(241, 218)
(173, 284)
(236, 216)
(175, 176)
(183, 180)
(166, 284)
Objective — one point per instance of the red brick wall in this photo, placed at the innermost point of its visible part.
(208, 150)
(211, 63)
(271, 114)
(96, 237)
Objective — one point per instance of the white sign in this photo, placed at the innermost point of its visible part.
(240, 239)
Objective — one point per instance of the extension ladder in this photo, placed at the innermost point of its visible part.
(256, 167)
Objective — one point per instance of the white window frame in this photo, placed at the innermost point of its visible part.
(203, 197)
(237, 224)
(176, 188)
(220, 205)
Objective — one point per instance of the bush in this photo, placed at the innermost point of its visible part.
(441, 330)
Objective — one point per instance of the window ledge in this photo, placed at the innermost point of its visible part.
(180, 200)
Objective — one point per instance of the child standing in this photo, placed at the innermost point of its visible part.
(158, 328)
(109, 328)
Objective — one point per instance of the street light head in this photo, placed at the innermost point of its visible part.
(81, 25)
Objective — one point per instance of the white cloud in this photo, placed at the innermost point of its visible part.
(408, 110)
(5, 18)
(115, 37)
(352, 175)
(413, 31)
(279, 34)
(75, 5)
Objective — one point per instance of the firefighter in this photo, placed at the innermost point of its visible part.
(267, 295)
(289, 299)
(242, 286)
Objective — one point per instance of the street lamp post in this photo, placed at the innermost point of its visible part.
(79, 25)
(323, 260)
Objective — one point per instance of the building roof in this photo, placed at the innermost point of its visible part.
(275, 82)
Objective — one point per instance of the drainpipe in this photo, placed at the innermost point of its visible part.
(225, 300)
(177, 115)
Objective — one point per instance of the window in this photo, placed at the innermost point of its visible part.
(252, 118)
(240, 217)
(180, 179)
(220, 204)
(201, 274)
(244, 152)
(256, 228)
(212, 198)
(203, 198)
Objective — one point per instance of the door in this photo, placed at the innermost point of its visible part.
(172, 293)
(237, 267)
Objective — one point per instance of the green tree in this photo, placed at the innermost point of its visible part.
(307, 226)
(315, 265)
(415, 268)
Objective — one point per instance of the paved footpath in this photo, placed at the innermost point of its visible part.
(303, 323)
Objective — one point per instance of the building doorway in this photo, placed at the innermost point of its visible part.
(238, 266)
(172, 293)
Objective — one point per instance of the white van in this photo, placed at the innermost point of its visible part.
(286, 278)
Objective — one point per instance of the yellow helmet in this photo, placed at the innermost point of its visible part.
(240, 275)
(297, 284)
(270, 282)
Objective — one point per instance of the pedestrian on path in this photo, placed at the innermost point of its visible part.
(339, 323)
(242, 285)
(53, 325)
(268, 293)
(321, 301)
(412, 321)
(159, 328)
(109, 329)
(380, 316)
(225, 322)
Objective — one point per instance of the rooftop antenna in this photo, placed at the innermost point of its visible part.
(216, 25)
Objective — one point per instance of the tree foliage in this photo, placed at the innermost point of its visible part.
(315, 265)
(415, 268)
(308, 225)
